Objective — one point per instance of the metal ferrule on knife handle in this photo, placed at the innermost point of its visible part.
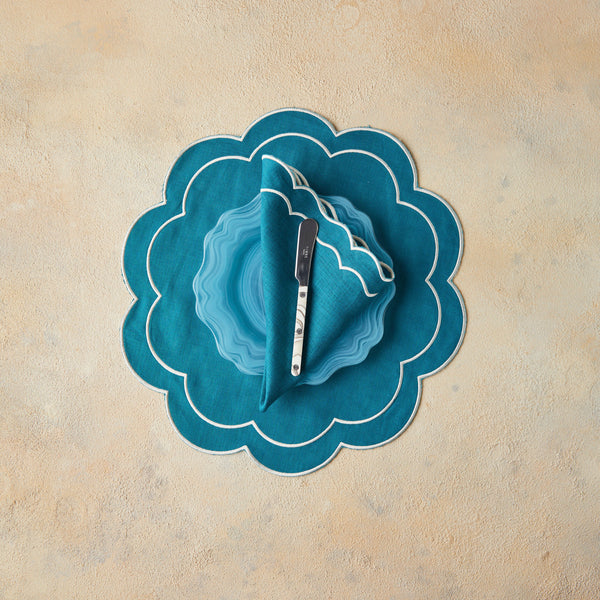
(299, 330)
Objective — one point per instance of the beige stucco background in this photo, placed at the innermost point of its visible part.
(492, 492)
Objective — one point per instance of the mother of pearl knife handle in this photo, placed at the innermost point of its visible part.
(299, 330)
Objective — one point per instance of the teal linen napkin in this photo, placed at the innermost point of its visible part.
(349, 284)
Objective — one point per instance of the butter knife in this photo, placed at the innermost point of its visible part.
(307, 235)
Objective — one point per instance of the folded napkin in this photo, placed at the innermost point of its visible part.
(350, 287)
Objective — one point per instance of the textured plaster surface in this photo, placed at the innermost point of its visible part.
(492, 492)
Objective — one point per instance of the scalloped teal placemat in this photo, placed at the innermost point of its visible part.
(212, 404)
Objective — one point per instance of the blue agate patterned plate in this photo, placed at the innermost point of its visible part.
(229, 293)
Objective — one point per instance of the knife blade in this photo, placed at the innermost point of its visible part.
(307, 235)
